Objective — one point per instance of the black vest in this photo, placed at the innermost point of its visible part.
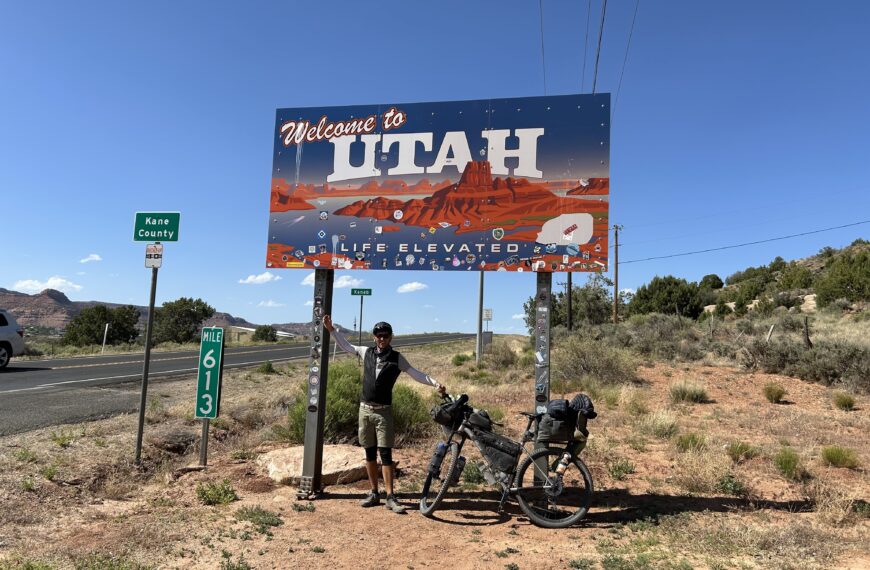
(379, 390)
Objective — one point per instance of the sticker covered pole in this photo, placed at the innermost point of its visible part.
(318, 369)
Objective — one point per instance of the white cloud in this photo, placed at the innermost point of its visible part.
(265, 277)
(428, 306)
(91, 257)
(308, 303)
(270, 303)
(518, 316)
(81, 273)
(347, 281)
(411, 287)
(55, 282)
(309, 280)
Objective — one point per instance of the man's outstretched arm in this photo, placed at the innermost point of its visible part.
(339, 338)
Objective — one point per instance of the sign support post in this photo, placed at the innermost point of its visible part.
(311, 482)
(480, 319)
(362, 293)
(543, 318)
(144, 395)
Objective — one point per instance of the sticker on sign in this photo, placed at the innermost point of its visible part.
(154, 255)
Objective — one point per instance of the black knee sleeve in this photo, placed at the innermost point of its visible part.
(386, 455)
(372, 453)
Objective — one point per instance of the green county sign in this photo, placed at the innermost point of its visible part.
(156, 226)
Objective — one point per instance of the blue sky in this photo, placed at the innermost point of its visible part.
(735, 122)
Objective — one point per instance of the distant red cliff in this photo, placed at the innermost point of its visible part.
(593, 187)
(477, 202)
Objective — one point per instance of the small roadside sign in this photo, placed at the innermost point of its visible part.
(360, 291)
(156, 226)
(487, 314)
(154, 255)
(211, 365)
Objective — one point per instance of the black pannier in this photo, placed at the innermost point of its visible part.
(480, 419)
(552, 430)
(566, 420)
(501, 452)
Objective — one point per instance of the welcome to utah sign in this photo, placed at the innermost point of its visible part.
(498, 184)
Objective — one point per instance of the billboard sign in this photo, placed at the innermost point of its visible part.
(495, 185)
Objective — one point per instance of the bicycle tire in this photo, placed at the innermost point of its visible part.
(533, 496)
(451, 458)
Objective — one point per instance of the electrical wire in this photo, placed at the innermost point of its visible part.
(745, 244)
(543, 59)
(598, 52)
(586, 45)
(624, 61)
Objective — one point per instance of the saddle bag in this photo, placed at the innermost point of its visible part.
(501, 452)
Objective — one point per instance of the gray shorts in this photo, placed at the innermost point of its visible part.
(376, 426)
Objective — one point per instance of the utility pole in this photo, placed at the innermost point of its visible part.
(616, 229)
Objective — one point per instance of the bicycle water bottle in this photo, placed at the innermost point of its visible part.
(460, 466)
(563, 463)
(437, 458)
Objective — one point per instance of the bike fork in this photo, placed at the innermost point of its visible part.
(505, 491)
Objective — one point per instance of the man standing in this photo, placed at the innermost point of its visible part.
(381, 367)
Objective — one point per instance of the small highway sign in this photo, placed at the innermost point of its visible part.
(211, 365)
(487, 314)
(154, 255)
(156, 226)
(360, 291)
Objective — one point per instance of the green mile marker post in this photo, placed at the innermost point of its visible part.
(208, 382)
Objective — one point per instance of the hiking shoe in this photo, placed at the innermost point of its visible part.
(394, 505)
(371, 500)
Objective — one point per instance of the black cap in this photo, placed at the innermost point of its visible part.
(382, 328)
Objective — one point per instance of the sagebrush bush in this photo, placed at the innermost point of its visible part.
(500, 356)
(216, 493)
(660, 423)
(836, 456)
(691, 442)
(844, 401)
(789, 464)
(460, 359)
(774, 392)
(582, 357)
(687, 391)
(620, 468)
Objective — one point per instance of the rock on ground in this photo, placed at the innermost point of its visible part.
(342, 464)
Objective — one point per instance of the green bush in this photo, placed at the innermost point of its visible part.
(89, 326)
(266, 333)
(500, 356)
(266, 368)
(661, 424)
(583, 357)
(789, 465)
(668, 295)
(739, 451)
(731, 485)
(471, 475)
(691, 442)
(411, 414)
(216, 493)
(460, 359)
(844, 401)
(686, 391)
(847, 276)
(620, 468)
(837, 456)
(774, 392)
(259, 517)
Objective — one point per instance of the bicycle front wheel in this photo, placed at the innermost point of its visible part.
(436, 484)
(550, 501)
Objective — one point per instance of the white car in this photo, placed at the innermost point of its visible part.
(11, 338)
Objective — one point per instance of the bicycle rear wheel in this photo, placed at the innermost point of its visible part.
(436, 485)
(548, 501)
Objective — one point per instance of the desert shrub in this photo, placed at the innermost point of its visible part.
(795, 277)
(687, 391)
(740, 451)
(633, 401)
(731, 485)
(471, 475)
(266, 333)
(774, 392)
(789, 464)
(846, 276)
(790, 323)
(779, 356)
(266, 368)
(844, 401)
(701, 471)
(658, 336)
(669, 295)
(500, 356)
(828, 362)
(836, 456)
(342, 406)
(101, 561)
(526, 359)
(259, 517)
(620, 468)
(691, 442)
(460, 359)
(216, 493)
(746, 326)
(411, 414)
(660, 423)
(582, 357)
(787, 300)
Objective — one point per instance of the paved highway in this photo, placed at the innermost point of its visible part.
(39, 393)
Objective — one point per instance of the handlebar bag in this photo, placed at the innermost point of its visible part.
(501, 452)
(480, 420)
(448, 415)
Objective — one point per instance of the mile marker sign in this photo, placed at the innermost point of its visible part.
(211, 365)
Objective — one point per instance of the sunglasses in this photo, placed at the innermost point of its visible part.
(383, 336)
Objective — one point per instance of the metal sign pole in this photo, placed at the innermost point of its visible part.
(310, 484)
(480, 319)
(203, 446)
(543, 318)
(361, 297)
(144, 396)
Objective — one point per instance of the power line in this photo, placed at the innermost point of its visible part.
(586, 45)
(598, 52)
(625, 60)
(746, 244)
(543, 59)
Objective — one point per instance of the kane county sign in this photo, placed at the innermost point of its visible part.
(494, 185)
(156, 226)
